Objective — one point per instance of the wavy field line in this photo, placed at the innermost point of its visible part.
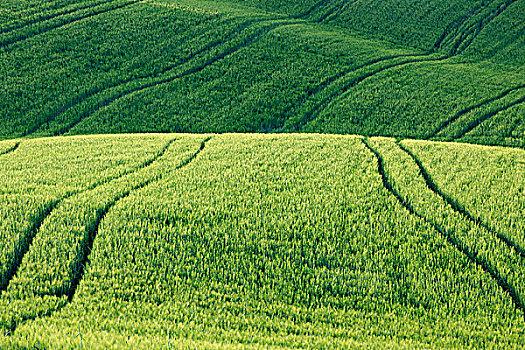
(472, 256)
(58, 12)
(308, 12)
(315, 112)
(459, 114)
(455, 29)
(10, 149)
(341, 92)
(40, 31)
(101, 215)
(475, 123)
(459, 208)
(249, 41)
(87, 245)
(333, 10)
(468, 36)
(81, 98)
(28, 236)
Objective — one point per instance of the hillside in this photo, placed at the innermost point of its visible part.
(432, 69)
(260, 241)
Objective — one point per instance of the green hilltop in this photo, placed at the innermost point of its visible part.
(432, 69)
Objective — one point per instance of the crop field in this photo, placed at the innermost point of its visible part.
(260, 241)
(262, 174)
(443, 70)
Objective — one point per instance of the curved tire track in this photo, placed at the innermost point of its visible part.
(457, 207)
(102, 214)
(42, 30)
(338, 94)
(246, 43)
(473, 30)
(472, 125)
(10, 149)
(28, 236)
(57, 13)
(459, 114)
(471, 255)
(81, 98)
(88, 244)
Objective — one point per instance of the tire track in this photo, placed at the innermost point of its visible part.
(317, 110)
(28, 236)
(459, 114)
(88, 245)
(472, 125)
(57, 13)
(81, 98)
(472, 256)
(314, 112)
(457, 207)
(10, 149)
(246, 43)
(102, 214)
(308, 12)
(39, 31)
(332, 11)
(468, 36)
(453, 29)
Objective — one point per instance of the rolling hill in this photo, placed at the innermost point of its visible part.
(262, 174)
(449, 70)
(260, 241)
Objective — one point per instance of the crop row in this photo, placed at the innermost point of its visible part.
(276, 240)
(49, 273)
(482, 245)
(40, 174)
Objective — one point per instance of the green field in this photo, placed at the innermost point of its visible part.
(449, 70)
(257, 241)
(262, 174)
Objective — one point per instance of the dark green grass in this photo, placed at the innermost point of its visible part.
(400, 68)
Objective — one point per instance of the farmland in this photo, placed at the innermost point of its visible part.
(222, 241)
(262, 174)
(444, 70)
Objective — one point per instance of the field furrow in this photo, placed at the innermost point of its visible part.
(42, 17)
(9, 39)
(128, 92)
(482, 246)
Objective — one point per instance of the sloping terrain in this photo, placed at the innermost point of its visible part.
(261, 241)
(450, 70)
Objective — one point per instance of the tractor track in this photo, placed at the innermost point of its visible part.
(87, 245)
(27, 237)
(39, 31)
(459, 114)
(459, 208)
(451, 239)
(57, 13)
(246, 43)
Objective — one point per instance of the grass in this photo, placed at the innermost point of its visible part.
(152, 196)
(404, 69)
(268, 241)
